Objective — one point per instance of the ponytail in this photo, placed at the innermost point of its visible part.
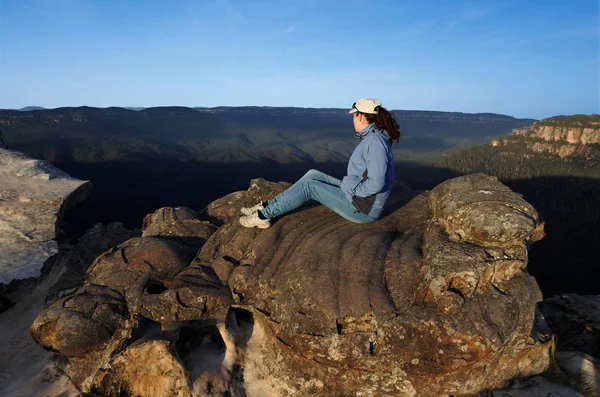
(384, 120)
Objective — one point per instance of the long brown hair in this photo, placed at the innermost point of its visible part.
(385, 120)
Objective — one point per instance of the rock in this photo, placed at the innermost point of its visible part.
(76, 260)
(227, 209)
(193, 294)
(126, 292)
(573, 374)
(479, 209)
(129, 267)
(179, 224)
(34, 197)
(76, 324)
(575, 319)
(582, 370)
(316, 305)
(145, 369)
(5, 304)
(355, 296)
(536, 386)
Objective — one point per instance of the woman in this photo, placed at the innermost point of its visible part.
(360, 195)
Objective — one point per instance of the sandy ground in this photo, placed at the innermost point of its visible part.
(25, 368)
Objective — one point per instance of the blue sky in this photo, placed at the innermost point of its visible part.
(524, 58)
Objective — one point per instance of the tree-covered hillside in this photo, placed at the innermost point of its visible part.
(245, 134)
(565, 191)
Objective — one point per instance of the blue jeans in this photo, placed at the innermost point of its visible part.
(315, 185)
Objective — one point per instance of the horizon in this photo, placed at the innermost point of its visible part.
(138, 108)
(527, 59)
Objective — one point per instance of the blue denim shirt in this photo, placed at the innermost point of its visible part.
(374, 154)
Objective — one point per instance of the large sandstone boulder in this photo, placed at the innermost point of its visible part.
(433, 299)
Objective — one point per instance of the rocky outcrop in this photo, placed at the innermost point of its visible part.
(75, 260)
(432, 299)
(563, 136)
(34, 197)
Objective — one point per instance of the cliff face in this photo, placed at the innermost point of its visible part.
(34, 197)
(562, 136)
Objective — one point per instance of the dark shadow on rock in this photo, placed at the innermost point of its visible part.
(200, 349)
(144, 329)
(5, 304)
(240, 324)
(195, 242)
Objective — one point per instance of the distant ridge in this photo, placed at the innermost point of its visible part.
(403, 114)
(232, 134)
(30, 108)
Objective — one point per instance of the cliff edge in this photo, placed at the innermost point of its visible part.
(575, 136)
(34, 196)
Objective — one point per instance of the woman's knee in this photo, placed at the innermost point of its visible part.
(312, 173)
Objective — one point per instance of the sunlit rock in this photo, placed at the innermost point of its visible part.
(34, 197)
(316, 305)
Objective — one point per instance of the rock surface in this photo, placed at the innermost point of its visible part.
(34, 196)
(179, 224)
(573, 374)
(575, 319)
(432, 299)
(76, 260)
(27, 370)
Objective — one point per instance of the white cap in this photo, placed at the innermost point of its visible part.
(366, 105)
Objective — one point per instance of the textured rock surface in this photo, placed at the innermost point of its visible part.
(76, 260)
(433, 299)
(536, 386)
(575, 319)
(180, 224)
(26, 369)
(573, 374)
(581, 370)
(34, 196)
(478, 209)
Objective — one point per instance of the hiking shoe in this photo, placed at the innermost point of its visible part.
(253, 220)
(251, 210)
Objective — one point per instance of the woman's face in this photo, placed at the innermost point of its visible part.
(360, 121)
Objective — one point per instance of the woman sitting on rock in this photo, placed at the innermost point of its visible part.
(362, 193)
